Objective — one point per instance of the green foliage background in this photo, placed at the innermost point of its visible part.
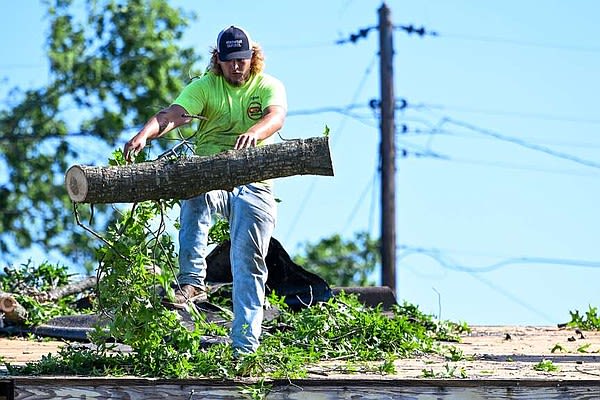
(112, 66)
(342, 262)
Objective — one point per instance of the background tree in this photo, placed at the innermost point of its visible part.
(340, 262)
(112, 65)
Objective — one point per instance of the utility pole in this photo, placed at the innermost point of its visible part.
(388, 150)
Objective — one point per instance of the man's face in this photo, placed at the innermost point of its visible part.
(236, 71)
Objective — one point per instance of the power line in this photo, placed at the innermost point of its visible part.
(521, 142)
(334, 141)
(362, 33)
(491, 39)
(447, 120)
(402, 103)
(515, 167)
(354, 211)
(416, 132)
(518, 114)
(492, 286)
(410, 149)
(444, 261)
(516, 299)
(293, 47)
(421, 31)
(327, 109)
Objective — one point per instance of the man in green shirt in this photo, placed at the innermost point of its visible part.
(243, 108)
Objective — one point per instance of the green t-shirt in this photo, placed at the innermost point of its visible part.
(230, 110)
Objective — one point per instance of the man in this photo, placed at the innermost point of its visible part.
(243, 108)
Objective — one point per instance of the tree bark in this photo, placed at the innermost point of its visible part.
(188, 177)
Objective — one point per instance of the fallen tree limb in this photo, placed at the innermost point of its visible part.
(16, 314)
(187, 177)
(66, 290)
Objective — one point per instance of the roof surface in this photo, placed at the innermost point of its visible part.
(488, 352)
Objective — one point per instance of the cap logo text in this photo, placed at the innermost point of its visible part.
(233, 43)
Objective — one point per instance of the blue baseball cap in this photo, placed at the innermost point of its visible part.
(234, 43)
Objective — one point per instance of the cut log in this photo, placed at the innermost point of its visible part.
(11, 309)
(15, 313)
(7, 302)
(183, 178)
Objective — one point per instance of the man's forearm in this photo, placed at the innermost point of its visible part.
(161, 123)
(270, 123)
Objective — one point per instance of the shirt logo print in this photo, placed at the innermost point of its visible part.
(254, 110)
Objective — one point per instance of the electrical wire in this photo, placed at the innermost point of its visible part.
(516, 167)
(361, 197)
(415, 132)
(491, 39)
(335, 137)
(443, 261)
(329, 109)
(506, 113)
(520, 142)
(447, 263)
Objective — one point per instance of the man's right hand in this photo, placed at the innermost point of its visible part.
(161, 123)
(134, 146)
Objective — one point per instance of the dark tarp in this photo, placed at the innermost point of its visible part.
(299, 287)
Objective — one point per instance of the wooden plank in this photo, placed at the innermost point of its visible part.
(111, 388)
(497, 368)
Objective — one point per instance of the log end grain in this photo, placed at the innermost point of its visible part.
(77, 184)
(7, 303)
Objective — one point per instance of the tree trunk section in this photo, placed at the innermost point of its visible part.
(183, 178)
(11, 309)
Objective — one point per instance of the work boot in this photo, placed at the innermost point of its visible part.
(188, 293)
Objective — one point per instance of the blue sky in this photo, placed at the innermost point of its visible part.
(497, 198)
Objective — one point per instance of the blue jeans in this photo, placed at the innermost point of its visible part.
(251, 212)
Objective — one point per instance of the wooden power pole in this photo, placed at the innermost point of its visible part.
(388, 150)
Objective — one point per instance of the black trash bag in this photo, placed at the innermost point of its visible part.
(299, 287)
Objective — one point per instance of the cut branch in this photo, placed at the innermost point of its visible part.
(188, 177)
(66, 290)
(16, 314)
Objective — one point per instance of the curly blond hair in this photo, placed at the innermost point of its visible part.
(256, 67)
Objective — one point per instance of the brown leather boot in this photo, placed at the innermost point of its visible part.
(188, 293)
